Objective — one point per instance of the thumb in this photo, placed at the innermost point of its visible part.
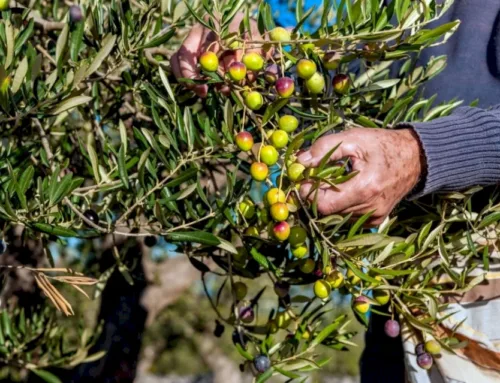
(320, 148)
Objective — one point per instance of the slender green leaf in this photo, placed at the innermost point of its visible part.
(166, 83)
(196, 16)
(107, 46)
(47, 376)
(325, 333)
(362, 240)
(265, 376)
(61, 190)
(273, 108)
(94, 161)
(26, 179)
(20, 75)
(9, 36)
(122, 167)
(76, 41)
(261, 259)
(431, 237)
(244, 353)
(70, 103)
(24, 36)
(54, 230)
(62, 41)
(489, 219)
(193, 236)
(359, 223)
(162, 38)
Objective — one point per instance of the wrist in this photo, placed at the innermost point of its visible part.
(415, 156)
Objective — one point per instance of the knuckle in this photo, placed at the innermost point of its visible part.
(321, 145)
(366, 192)
(372, 188)
(376, 189)
(359, 151)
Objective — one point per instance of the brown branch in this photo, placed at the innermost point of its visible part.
(149, 52)
(44, 139)
(40, 22)
(46, 54)
(48, 25)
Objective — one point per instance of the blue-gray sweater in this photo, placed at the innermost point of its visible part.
(461, 150)
(464, 149)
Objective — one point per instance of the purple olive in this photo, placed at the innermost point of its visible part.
(75, 14)
(420, 349)
(285, 86)
(261, 363)
(271, 73)
(281, 288)
(425, 361)
(246, 314)
(392, 328)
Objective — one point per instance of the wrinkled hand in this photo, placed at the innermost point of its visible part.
(389, 163)
(185, 61)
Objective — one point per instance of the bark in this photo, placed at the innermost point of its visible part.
(122, 318)
(18, 286)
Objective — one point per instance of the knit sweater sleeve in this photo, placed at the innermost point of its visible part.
(461, 150)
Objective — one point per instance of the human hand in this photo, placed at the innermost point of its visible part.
(389, 162)
(184, 62)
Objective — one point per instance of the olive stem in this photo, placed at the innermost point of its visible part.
(316, 228)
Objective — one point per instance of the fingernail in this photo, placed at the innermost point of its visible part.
(305, 157)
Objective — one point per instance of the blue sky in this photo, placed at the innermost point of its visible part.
(284, 16)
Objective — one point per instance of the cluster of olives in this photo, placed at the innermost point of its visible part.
(278, 203)
(426, 352)
(275, 218)
(362, 304)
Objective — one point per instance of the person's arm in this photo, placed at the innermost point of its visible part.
(461, 150)
(449, 153)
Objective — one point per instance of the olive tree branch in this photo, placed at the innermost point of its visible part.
(156, 187)
(46, 25)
